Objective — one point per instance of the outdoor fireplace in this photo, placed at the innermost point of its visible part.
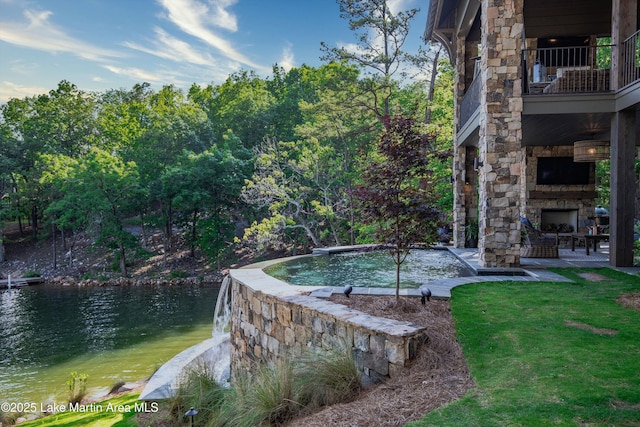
(559, 220)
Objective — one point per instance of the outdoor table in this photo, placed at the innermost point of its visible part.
(588, 238)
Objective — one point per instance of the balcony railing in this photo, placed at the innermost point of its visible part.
(630, 60)
(581, 69)
(470, 101)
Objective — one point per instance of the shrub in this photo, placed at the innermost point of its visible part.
(31, 273)
(177, 274)
(77, 385)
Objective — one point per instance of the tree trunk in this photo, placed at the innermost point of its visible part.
(143, 231)
(312, 236)
(55, 246)
(432, 87)
(194, 233)
(397, 261)
(1, 245)
(123, 261)
(34, 222)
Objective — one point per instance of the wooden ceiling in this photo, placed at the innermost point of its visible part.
(558, 18)
(564, 129)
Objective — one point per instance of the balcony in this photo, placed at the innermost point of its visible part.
(630, 60)
(471, 100)
(567, 70)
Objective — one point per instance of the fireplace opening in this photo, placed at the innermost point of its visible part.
(559, 220)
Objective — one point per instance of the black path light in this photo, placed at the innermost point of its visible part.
(191, 413)
(426, 295)
(347, 290)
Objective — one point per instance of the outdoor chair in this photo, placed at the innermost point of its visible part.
(535, 244)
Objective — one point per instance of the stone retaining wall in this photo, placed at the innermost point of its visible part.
(271, 320)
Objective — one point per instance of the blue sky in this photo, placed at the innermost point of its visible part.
(102, 44)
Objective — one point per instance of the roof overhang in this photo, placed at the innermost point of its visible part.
(449, 19)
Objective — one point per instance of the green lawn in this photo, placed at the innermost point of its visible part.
(543, 354)
(118, 412)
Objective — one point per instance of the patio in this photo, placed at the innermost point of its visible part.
(567, 258)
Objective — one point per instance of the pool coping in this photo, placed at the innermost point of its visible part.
(440, 288)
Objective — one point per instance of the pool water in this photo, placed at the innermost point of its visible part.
(369, 269)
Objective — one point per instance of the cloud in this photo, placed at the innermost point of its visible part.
(195, 18)
(38, 33)
(12, 90)
(396, 6)
(145, 76)
(287, 60)
(221, 17)
(169, 47)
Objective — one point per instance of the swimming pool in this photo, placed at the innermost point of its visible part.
(374, 269)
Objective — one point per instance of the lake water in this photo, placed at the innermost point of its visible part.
(119, 333)
(369, 269)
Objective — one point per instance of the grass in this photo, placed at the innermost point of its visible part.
(272, 394)
(563, 354)
(118, 412)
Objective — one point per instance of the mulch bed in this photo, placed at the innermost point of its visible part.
(438, 376)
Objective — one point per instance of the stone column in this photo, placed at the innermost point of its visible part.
(501, 133)
(459, 217)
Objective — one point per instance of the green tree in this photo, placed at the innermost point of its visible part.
(338, 118)
(242, 104)
(152, 130)
(204, 190)
(62, 121)
(99, 191)
(381, 36)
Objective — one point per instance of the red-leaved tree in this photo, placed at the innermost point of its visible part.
(395, 195)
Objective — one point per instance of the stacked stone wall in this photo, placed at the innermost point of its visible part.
(501, 133)
(272, 320)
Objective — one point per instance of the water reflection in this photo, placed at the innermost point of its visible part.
(44, 326)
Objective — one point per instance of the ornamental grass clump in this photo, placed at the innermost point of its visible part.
(267, 396)
(200, 390)
(269, 393)
(326, 378)
(77, 385)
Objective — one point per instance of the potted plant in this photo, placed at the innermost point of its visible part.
(472, 230)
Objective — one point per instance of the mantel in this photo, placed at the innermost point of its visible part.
(563, 195)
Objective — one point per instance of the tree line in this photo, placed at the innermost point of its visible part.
(269, 162)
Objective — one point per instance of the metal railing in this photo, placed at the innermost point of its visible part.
(580, 69)
(630, 72)
(470, 101)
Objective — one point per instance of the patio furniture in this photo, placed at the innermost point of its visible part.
(535, 244)
(578, 80)
(588, 239)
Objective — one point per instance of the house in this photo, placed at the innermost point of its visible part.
(543, 89)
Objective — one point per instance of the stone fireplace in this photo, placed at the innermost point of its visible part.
(557, 208)
(559, 220)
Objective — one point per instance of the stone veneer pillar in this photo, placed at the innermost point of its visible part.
(501, 133)
(459, 172)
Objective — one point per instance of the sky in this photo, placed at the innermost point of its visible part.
(114, 44)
